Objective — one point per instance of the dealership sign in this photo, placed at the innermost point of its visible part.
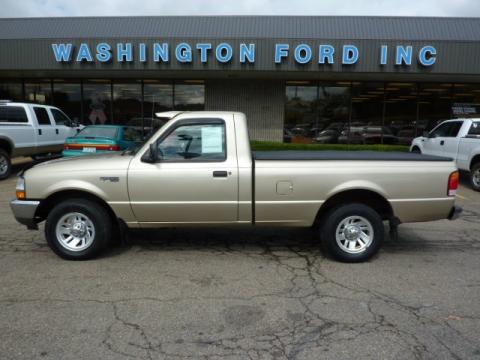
(402, 55)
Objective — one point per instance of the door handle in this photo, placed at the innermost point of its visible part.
(442, 142)
(220, 174)
(39, 131)
(56, 131)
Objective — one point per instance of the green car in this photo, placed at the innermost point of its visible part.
(102, 139)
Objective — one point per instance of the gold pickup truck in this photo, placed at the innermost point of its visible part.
(198, 169)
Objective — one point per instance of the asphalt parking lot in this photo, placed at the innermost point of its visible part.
(243, 294)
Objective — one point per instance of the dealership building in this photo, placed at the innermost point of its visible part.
(297, 78)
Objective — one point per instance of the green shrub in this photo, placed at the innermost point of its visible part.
(271, 145)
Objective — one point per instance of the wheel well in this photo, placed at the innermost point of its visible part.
(5, 145)
(416, 147)
(367, 197)
(475, 160)
(47, 205)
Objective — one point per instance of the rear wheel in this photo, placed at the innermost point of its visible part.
(352, 232)
(5, 165)
(475, 177)
(78, 229)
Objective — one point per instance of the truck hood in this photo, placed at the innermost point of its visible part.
(85, 163)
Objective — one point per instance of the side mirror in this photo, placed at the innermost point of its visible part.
(151, 156)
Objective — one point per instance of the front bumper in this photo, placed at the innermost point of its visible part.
(455, 213)
(24, 212)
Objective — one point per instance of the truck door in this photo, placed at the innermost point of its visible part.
(63, 128)
(46, 135)
(194, 181)
(451, 140)
(434, 143)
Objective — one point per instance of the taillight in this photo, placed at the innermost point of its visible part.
(66, 147)
(114, 148)
(453, 181)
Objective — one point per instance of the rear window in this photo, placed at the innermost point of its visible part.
(474, 129)
(100, 131)
(13, 114)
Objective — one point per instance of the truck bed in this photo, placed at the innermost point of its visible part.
(345, 156)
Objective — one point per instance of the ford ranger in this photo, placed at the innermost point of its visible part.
(198, 169)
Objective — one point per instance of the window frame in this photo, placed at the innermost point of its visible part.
(198, 121)
(65, 123)
(27, 122)
(46, 112)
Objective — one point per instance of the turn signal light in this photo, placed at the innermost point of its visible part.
(453, 182)
(20, 194)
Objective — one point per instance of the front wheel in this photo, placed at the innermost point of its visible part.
(475, 177)
(416, 150)
(352, 232)
(5, 165)
(78, 229)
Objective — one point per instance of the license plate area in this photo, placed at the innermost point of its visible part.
(89, 149)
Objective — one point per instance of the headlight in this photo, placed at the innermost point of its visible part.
(20, 188)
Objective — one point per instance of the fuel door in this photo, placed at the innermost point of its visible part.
(284, 187)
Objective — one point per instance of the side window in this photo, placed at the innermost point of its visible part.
(454, 128)
(474, 129)
(60, 118)
(202, 142)
(442, 130)
(131, 134)
(13, 114)
(42, 115)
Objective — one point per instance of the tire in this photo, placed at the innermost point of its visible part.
(91, 223)
(475, 177)
(5, 165)
(354, 217)
(416, 150)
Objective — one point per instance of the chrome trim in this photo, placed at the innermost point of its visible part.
(24, 211)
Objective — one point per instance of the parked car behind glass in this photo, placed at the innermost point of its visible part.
(100, 139)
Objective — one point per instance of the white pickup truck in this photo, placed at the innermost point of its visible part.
(458, 139)
(31, 130)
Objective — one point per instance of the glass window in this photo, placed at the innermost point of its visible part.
(14, 114)
(300, 112)
(333, 106)
(195, 143)
(39, 92)
(474, 129)
(11, 91)
(158, 97)
(434, 105)
(127, 102)
(448, 129)
(97, 102)
(68, 97)
(42, 115)
(132, 134)
(60, 118)
(189, 96)
(400, 113)
(99, 131)
(455, 128)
